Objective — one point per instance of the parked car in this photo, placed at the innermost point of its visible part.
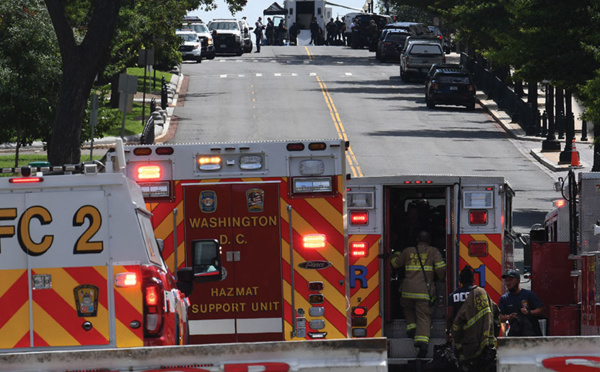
(191, 46)
(246, 35)
(227, 36)
(196, 25)
(449, 84)
(362, 35)
(389, 47)
(418, 56)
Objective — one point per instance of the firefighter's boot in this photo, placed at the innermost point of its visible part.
(421, 349)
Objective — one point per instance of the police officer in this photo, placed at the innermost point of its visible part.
(420, 263)
(520, 307)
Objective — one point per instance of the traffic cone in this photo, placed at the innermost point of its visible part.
(574, 155)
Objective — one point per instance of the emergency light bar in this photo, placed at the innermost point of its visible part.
(125, 280)
(149, 172)
(209, 163)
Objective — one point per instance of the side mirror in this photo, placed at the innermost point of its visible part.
(185, 280)
(206, 261)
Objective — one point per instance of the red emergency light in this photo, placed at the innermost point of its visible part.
(358, 249)
(478, 249)
(151, 296)
(359, 217)
(26, 180)
(149, 172)
(560, 203)
(314, 241)
(478, 217)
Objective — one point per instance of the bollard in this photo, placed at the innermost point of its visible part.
(560, 125)
(544, 123)
(163, 94)
(584, 130)
(152, 105)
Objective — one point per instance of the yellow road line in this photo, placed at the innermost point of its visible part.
(308, 52)
(339, 127)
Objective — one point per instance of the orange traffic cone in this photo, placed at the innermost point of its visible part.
(574, 155)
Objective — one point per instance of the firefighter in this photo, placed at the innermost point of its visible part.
(420, 264)
(457, 298)
(520, 307)
(475, 330)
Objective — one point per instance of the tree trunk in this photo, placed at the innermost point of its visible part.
(80, 64)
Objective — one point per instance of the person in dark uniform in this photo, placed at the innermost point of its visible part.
(520, 307)
(457, 298)
(314, 31)
(293, 34)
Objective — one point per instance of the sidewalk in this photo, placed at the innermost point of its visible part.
(550, 159)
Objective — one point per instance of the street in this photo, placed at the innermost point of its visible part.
(308, 92)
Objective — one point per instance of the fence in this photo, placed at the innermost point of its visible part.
(507, 100)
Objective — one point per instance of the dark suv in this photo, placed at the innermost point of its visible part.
(449, 84)
(390, 45)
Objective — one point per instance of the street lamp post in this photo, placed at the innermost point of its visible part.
(550, 143)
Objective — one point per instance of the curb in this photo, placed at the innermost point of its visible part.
(170, 110)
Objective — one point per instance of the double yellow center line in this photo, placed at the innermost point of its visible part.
(350, 157)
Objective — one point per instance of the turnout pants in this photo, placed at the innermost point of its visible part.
(418, 317)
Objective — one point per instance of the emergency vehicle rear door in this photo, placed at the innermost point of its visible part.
(56, 292)
(247, 304)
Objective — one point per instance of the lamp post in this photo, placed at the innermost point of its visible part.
(550, 143)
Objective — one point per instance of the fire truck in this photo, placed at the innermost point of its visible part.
(84, 287)
(565, 262)
(305, 249)
(80, 266)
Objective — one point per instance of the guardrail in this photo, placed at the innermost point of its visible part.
(368, 354)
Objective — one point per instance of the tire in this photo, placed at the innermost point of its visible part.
(199, 60)
(403, 76)
(471, 106)
(430, 103)
(383, 58)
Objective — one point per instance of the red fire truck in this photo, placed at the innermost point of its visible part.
(305, 251)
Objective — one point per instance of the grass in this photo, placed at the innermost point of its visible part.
(8, 161)
(133, 120)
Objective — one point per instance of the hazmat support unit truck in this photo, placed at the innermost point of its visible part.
(305, 249)
(84, 287)
(565, 268)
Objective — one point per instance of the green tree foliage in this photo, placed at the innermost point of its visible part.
(29, 71)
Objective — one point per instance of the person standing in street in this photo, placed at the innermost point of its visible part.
(420, 264)
(520, 307)
(293, 34)
(314, 31)
(258, 33)
(473, 325)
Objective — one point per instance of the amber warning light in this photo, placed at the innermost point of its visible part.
(314, 241)
(149, 172)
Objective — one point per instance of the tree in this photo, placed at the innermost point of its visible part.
(29, 71)
(95, 21)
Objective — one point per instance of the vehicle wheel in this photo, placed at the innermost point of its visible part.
(383, 59)
(471, 106)
(430, 103)
(199, 60)
(212, 56)
(403, 76)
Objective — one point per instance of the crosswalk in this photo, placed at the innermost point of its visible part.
(276, 74)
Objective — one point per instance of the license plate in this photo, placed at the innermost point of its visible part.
(452, 87)
(223, 46)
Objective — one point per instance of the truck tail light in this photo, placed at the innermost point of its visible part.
(434, 86)
(359, 217)
(314, 241)
(471, 88)
(153, 308)
(478, 217)
(478, 249)
(149, 172)
(359, 321)
(358, 249)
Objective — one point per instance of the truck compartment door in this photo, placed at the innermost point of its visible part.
(247, 304)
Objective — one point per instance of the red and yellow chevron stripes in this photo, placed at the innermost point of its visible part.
(368, 296)
(14, 312)
(492, 262)
(129, 306)
(322, 215)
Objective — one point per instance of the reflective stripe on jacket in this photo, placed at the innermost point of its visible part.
(414, 285)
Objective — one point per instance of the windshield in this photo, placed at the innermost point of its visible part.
(224, 26)
(198, 28)
(396, 37)
(188, 37)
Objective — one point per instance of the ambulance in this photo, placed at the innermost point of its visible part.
(80, 267)
(305, 249)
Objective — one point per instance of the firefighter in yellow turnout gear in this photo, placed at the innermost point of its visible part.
(420, 263)
(474, 332)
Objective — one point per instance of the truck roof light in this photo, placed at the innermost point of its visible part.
(209, 163)
(149, 172)
(168, 150)
(295, 146)
(560, 203)
(314, 241)
(312, 167)
(127, 279)
(359, 217)
(142, 151)
(251, 162)
(478, 217)
(317, 146)
(358, 249)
